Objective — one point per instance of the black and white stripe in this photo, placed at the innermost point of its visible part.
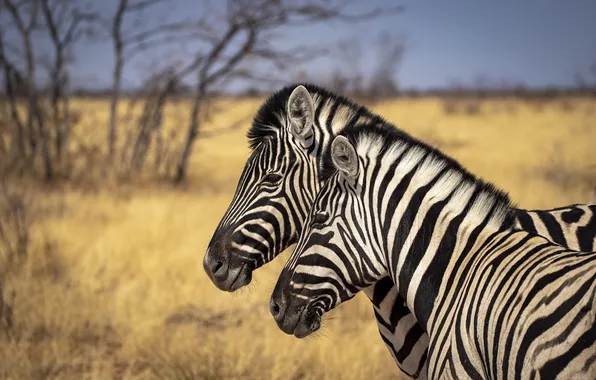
(571, 226)
(496, 301)
(277, 189)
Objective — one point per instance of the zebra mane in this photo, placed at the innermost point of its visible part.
(271, 114)
(376, 140)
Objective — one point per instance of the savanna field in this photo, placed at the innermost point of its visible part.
(113, 286)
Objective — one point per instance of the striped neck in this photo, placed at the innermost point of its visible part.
(433, 241)
(431, 214)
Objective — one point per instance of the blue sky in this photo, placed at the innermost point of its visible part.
(537, 42)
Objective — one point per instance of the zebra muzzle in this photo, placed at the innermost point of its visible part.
(228, 272)
(293, 314)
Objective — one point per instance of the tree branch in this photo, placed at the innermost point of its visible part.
(242, 52)
(12, 48)
(141, 36)
(143, 4)
(50, 23)
(53, 23)
(16, 16)
(33, 19)
(147, 45)
(311, 12)
(77, 18)
(213, 55)
(230, 128)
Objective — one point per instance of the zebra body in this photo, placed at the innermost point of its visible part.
(496, 301)
(571, 226)
(290, 136)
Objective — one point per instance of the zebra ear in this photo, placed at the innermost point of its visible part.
(344, 157)
(301, 112)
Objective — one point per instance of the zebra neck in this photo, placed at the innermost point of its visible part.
(437, 227)
(434, 253)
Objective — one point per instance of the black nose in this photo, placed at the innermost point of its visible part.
(215, 267)
(277, 308)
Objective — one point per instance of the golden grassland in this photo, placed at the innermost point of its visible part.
(114, 285)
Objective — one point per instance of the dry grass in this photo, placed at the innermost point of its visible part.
(114, 287)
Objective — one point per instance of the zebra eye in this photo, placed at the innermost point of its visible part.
(320, 218)
(271, 179)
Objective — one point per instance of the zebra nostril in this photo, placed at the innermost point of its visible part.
(218, 265)
(276, 310)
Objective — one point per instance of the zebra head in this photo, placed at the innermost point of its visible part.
(332, 260)
(274, 193)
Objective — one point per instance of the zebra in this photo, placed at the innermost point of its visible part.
(496, 301)
(290, 134)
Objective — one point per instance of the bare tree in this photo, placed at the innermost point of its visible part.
(24, 16)
(65, 23)
(117, 74)
(159, 87)
(62, 22)
(229, 43)
(126, 45)
(19, 12)
(11, 80)
(390, 54)
(349, 53)
(593, 72)
(244, 38)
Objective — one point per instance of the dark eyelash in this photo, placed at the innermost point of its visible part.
(271, 179)
(320, 218)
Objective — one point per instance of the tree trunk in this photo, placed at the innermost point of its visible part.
(159, 151)
(112, 134)
(31, 96)
(65, 117)
(193, 132)
(45, 142)
(141, 144)
(20, 133)
(150, 121)
(59, 82)
(116, 78)
(56, 117)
